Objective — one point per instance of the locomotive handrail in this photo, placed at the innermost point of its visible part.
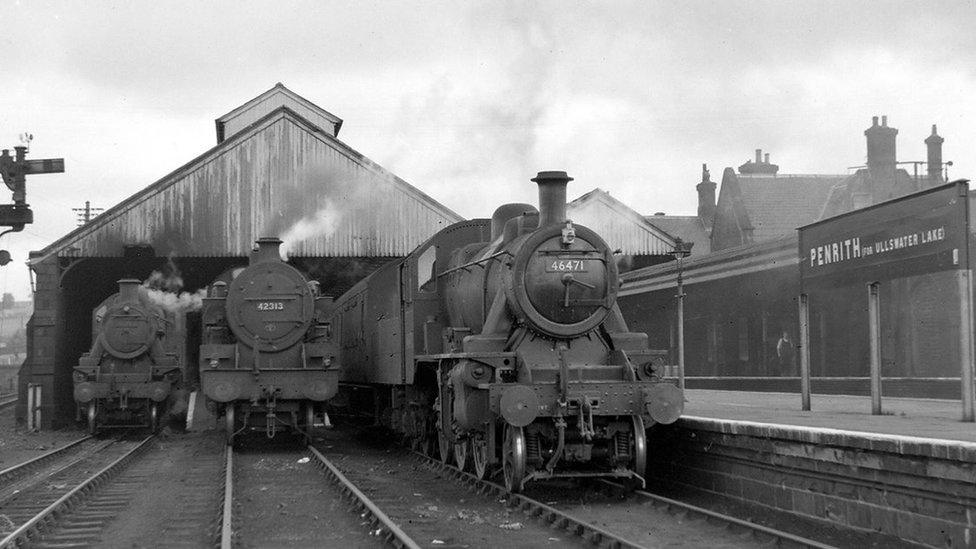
(477, 263)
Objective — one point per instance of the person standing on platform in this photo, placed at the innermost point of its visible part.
(786, 352)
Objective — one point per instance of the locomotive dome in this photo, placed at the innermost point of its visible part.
(563, 279)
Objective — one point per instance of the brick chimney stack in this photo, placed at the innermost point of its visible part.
(759, 166)
(706, 197)
(881, 152)
(934, 145)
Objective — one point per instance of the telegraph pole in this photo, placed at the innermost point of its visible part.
(87, 213)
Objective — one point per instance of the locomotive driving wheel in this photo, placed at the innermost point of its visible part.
(639, 462)
(461, 454)
(479, 455)
(444, 446)
(229, 424)
(309, 422)
(92, 414)
(513, 458)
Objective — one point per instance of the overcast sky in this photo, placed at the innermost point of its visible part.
(468, 100)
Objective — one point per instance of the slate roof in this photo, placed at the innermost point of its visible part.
(689, 228)
(777, 205)
(841, 197)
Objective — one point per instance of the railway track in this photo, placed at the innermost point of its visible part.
(29, 506)
(723, 530)
(7, 401)
(11, 474)
(277, 495)
(155, 492)
(762, 534)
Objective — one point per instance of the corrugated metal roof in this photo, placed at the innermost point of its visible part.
(619, 225)
(269, 101)
(279, 174)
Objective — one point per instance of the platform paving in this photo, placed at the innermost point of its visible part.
(926, 418)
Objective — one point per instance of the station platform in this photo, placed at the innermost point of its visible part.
(909, 473)
(908, 417)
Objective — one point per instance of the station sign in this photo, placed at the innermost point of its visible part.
(920, 233)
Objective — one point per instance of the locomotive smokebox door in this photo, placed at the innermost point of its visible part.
(269, 306)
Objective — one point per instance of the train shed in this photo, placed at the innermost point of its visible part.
(278, 169)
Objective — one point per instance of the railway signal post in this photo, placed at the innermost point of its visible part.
(15, 170)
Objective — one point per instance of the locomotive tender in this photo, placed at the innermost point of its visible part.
(127, 377)
(502, 340)
(267, 356)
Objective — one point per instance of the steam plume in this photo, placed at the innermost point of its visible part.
(163, 288)
(320, 224)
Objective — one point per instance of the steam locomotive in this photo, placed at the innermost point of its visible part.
(502, 341)
(267, 358)
(127, 377)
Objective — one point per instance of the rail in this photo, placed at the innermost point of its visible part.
(379, 520)
(589, 532)
(759, 531)
(226, 524)
(12, 472)
(22, 534)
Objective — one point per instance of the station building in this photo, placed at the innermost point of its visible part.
(742, 281)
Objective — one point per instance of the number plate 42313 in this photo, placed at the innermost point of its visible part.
(271, 306)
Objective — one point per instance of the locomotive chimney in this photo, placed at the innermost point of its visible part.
(267, 250)
(552, 197)
(129, 290)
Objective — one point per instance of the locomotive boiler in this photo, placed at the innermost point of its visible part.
(267, 359)
(502, 341)
(130, 373)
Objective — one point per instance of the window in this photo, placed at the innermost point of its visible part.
(426, 264)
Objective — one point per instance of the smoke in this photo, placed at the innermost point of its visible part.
(163, 289)
(183, 302)
(320, 224)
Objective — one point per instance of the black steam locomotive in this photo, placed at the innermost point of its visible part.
(502, 341)
(127, 377)
(267, 356)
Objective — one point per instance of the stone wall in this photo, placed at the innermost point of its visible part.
(920, 490)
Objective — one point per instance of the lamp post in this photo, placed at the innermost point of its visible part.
(681, 250)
